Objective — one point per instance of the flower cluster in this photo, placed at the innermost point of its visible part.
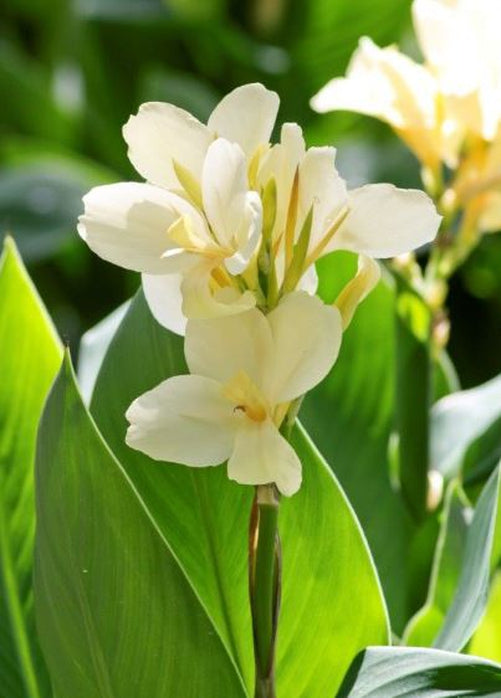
(447, 109)
(226, 232)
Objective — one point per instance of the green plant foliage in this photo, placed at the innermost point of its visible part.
(350, 417)
(116, 615)
(487, 640)
(481, 555)
(204, 518)
(41, 200)
(384, 672)
(29, 357)
(462, 571)
(449, 551)
(466, 431)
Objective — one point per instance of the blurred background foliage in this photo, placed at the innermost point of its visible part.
(71, 72)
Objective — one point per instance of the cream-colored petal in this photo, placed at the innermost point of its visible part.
(309, 281)
(234, 212)
(127, 224)
(460, 41)
(164, 298)
(490, 218)
(184, 420)
(385, 221)
(446, 37)
(383, 83)
(306, 336)
(222, 347)
(320, 187)
(202, 302)
(261, 455)
(280, 164)
(246, 116)
(160, 134)
(358, 288)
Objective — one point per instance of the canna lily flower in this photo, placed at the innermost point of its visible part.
(195, 223)
(316, 214)
(434, 107)
(386, 84)
(247, 371)
(461, 46)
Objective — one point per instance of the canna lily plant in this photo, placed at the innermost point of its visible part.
(447, 110)
(191, 540)
(226, 232)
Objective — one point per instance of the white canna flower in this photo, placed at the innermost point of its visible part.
(386, 84)
(433, 106)
(196, 222)
(316, 214)
(461, 44)
(246, 370)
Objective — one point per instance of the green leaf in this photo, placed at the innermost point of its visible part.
(350, 417)
(331, 599)
(486, 641)
(40, 201)
(466, 431)
(456, 517)
(481, 555)
(93, 347)
(391, 672)
(29, 357)
(413, 396)
(116, 615)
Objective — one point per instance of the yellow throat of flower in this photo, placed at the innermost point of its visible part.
(246, 396)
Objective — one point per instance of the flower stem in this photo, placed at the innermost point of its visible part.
(264, 585)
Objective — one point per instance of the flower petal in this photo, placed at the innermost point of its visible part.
(307, 336)
(222, 347)
(280, 163)
(185, 420)
(164, 298)
(385, 221)
(201, 302)
(160, 134)
(357, 290)
(261, 455)
(246, 116)
(127, 224)
(384, 83)
(320, 187)
(232, 210)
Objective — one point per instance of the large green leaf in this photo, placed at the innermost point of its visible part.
(486, 641)
(116, 615)
(466, 431)
(331, 595)
(481, 555)
(390, 672)
(350, 417)
(455, 519)
(29, 357)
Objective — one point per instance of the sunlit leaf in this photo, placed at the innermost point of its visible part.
(29, 357)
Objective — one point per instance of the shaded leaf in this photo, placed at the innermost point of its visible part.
(466, 431)
(394, 672)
